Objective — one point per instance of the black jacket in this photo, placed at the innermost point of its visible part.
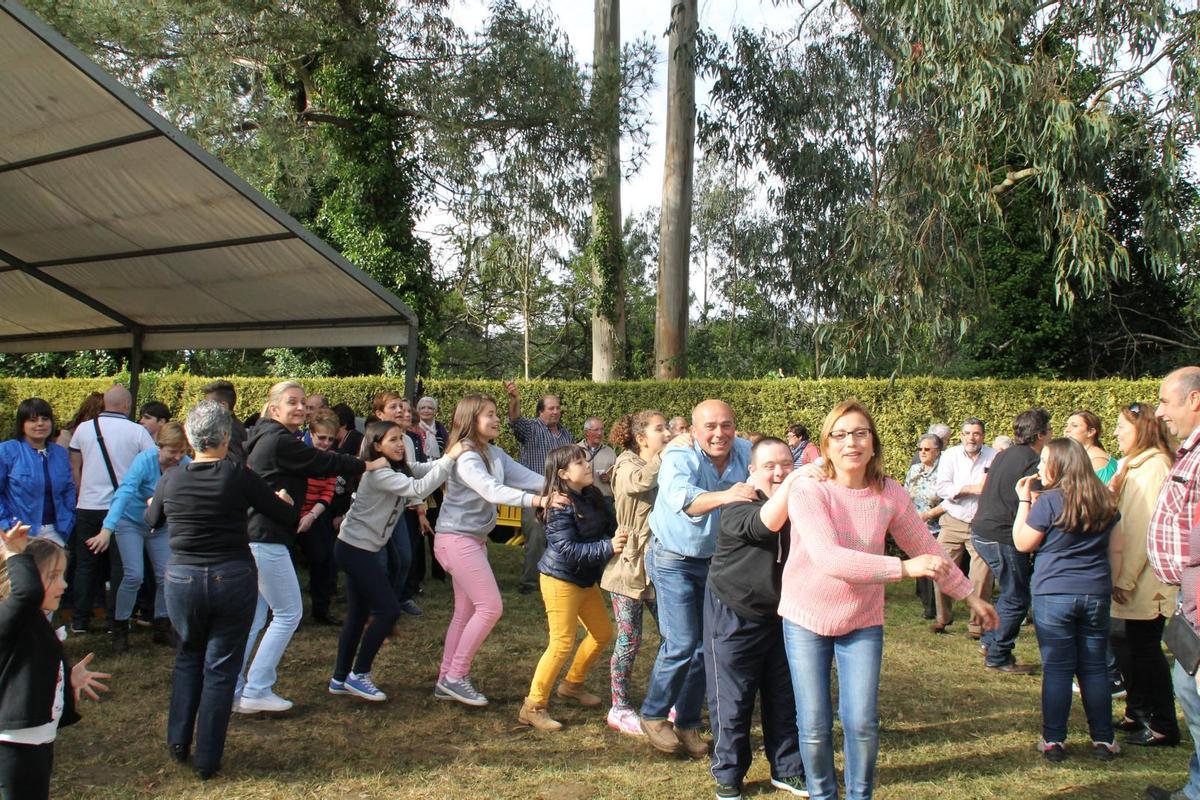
(285, 462)
(746, 570)
(579, 539)
(30, 654)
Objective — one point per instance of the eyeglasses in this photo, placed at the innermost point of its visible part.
(860, 434)
(320, 437)
(927, 449)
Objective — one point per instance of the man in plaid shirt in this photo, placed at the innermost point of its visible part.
(1173, 527)
(538, 436)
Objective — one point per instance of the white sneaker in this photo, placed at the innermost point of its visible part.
(270, 702)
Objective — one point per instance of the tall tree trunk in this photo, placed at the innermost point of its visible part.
(608, 255)
(675, 232)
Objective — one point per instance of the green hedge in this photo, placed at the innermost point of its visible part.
(903, 408)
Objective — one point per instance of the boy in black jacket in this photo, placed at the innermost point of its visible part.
(743, 635)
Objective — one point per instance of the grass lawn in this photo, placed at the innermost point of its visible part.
(949, 730)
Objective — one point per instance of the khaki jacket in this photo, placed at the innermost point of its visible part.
(1150, 597)
(635, 485)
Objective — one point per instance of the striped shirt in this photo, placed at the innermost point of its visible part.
(537, 441)
(1174, 514)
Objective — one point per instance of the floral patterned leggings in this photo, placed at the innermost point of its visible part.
(628, 613)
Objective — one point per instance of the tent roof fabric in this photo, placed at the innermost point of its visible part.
(114, 226)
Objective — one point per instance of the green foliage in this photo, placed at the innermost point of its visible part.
(903, 408)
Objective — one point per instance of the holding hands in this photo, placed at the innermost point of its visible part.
(619, 540)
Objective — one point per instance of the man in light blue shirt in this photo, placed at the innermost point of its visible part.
(694, 483)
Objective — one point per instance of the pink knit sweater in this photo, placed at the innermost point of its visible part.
(834, 576)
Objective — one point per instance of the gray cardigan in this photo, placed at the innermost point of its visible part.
(381, 498)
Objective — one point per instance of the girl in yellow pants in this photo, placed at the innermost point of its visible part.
(579, 542)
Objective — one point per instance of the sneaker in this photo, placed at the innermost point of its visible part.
(462, 691)
(411, 608)
(729, 791)
(626, 721)
(361, 686)
(80, 629)
(337, 687)
(1054, 752)
(270, 702)
(1105, 751)
(1118, 690)
(796, 784)
(439, 693)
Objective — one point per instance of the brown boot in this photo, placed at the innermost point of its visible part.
(693, 744)
(662, 736)
(537, 717)
(576, 692)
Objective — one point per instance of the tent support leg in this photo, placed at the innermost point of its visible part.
(410, 364)
(135, 371)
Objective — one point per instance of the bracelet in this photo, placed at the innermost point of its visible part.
(1024, 501)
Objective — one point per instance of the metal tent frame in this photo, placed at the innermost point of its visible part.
(118, 231)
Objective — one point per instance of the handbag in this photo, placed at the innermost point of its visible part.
(1183, 642)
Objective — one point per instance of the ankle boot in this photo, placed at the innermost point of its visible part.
(164, 633)
(537, 717)
(576, 692)
(120, 636)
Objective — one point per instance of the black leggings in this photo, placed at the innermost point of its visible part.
(1147, 677)
(368, 594)
(25, 770)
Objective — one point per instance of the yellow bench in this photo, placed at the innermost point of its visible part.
(510, 517)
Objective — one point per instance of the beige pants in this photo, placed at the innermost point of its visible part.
(954, 538)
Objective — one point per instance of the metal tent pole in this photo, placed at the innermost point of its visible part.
(135, 370)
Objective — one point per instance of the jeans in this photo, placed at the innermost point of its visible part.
(567, 607)
(133, 540)
(317, 543)
(810, 658)
(416, 550)
(1012, 570)
(1072, 633)
(1189, 700)
(279, 591)
(368, 594)
(677, 678)
(399, 559)
(1147, 675)
(211, 608)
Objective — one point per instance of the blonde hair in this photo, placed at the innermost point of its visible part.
(277, 391)
(874, 474)
(325, 420)
(464, 424)
(171, 434)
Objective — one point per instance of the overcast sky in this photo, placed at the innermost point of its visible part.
(643, 190)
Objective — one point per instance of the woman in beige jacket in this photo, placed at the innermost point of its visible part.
(635, 485)
(1140, 600)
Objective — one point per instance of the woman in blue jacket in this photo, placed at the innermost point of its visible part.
(36, 487)
(126, 519)
(579, 543)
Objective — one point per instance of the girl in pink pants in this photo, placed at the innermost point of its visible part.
(483, 477)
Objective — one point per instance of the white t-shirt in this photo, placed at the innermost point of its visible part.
(123, 440)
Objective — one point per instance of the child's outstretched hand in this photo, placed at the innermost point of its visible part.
(84, 681)
(15, 538)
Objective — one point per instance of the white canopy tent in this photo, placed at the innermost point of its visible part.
(117, 231)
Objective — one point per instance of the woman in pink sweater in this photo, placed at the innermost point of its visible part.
(832, 599)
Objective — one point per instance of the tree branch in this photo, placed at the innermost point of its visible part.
(1012, 178)
(872, 33)
(1133, 75)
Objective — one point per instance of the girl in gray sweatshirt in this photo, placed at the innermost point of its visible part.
(366, 528)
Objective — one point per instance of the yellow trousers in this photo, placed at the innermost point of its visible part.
(567, 606)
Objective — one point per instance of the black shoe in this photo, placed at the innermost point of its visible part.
(326, 619)
(80, 627)
(179, 753)
(120, 636)
(1130, 725)
(1105, 751)
(204, 773)
(1148, 738)
(525, 588)
(1012, 668)
(729, 791)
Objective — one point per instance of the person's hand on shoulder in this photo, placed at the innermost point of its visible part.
(376, 463)
(740, 493)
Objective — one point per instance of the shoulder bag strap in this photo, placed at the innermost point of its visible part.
(112, 475)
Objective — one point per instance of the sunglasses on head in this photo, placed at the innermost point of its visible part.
(1135, 409)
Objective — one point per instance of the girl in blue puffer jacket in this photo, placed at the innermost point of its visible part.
(579, 542)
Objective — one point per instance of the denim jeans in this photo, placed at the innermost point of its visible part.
(132, 541)
(1012, 570)
(399, 559)
(211, 609)
(677, 678)
(279, 591)
(810, 658)
(1189, 700)
(1072, 633)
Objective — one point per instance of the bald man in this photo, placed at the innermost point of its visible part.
(1173, 541)
(101, 451)
(694, 483)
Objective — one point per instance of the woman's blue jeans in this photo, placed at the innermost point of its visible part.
(810, 659)
(1072, 633)
(279, 592)
(131, 539)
